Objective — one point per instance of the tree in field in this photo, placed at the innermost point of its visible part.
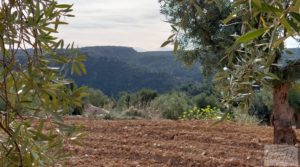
(33, 90)
(256, 57)
(197, 26)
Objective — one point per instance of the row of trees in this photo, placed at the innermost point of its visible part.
(187, 97)
(171, 105)
(247, 39)
(146, 101)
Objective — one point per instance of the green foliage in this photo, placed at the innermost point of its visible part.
(190, 89)
(202, 100)
(197, 32)
(171, 105)
(139, 99)
(97, 98)
(216, 114)
(294, 97)
(255, 58)
(124, 100)
(117, 69)
(35, 92)
(254, 32)
(202, 94)
(246, 118)
(261, 107)
(202, 113)
(143, 97)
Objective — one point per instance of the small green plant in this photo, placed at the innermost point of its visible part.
(171, 105)
(202, 113)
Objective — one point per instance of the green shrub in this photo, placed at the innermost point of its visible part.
(246, 118)
(97, 98)
(202, 113)
(202, 100)
(261, 106)
(144, 97)
(139, 99)
(171, 105)
(124, 101)
(194, 89)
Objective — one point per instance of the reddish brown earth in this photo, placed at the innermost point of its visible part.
(169, 143)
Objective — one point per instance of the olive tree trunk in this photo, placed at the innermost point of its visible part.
(282, 116)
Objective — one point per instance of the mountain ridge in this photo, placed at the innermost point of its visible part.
(115, 69)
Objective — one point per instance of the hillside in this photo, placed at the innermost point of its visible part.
(116, 69)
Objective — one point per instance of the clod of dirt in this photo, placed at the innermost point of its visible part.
(204, 153)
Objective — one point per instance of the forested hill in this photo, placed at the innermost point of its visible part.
(117, 69)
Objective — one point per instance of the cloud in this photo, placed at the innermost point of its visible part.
(135, 23)
(292, 43)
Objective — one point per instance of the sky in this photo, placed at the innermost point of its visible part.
(133, 23)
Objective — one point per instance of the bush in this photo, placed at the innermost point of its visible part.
(144, 97)
(246, 118)
(195, 89)
(124, 101)
(202, 113)
(97, 98)
(171, 105)
(261, 106)
(202, 94)
(202, 100)
(139, 99)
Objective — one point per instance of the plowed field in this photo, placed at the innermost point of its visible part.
(169, 143)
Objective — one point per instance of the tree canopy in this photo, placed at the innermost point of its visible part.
(252, 60)
(247, 37)
(197, 32)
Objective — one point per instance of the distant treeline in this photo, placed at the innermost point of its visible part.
(117, 69)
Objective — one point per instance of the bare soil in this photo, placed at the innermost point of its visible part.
(169, 143)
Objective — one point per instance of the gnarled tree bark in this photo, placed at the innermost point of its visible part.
(282, 116)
